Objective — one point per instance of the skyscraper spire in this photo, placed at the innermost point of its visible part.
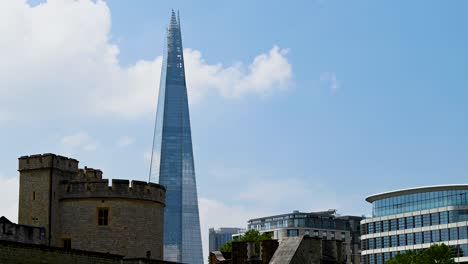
(174, 22)
(172, 157)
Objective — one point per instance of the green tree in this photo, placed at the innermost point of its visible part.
(251, 235)
(436, 254)
(228, 246)
(410, 257)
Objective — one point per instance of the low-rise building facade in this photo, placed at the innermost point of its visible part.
(326, 225)
(290, 250)
(414, 219)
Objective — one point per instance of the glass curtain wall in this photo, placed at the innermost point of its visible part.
(172, 157)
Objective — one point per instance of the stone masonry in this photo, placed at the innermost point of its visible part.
(20, 253)
(21, 233)
(66, 201)
(290, 250)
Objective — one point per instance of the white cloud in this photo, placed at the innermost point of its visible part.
(79, 141)
(53, 55)
(125, 141)
(268, 72)
(57, 59)
(9, 188)
(330, 81)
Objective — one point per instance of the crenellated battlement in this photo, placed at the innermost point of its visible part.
(88, 182)
(47, 161)
(122, 189)
(88, 174)
(80, 204)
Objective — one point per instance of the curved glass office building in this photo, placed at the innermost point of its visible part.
(414, 219)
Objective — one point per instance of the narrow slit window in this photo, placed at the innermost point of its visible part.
(103, 216)
(66, 243)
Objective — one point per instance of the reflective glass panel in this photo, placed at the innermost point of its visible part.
(172, 156)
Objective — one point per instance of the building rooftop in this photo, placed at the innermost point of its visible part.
(226, 229)
(433, 188)
(328, 213)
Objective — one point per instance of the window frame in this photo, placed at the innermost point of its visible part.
(105, 218)
(66, 243)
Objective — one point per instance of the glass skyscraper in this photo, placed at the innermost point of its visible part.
(172, 157)
(219, 237)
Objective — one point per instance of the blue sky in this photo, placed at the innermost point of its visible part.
(363, 96)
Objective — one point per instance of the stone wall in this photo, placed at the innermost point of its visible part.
(63, 199)
(135, 226)
(40, 176)
(34, 199)
(21, 233)
(267, 250)
(46, 161)
(100, 188)
(246, 253)
(239, 252)
(19, 253)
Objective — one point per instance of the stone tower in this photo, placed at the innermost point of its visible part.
(40, 176)
(80, 210)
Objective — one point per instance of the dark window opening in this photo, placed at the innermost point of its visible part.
(66, 242)
(30, 234)
(103, 216)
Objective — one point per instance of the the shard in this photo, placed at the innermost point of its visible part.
(172, 157)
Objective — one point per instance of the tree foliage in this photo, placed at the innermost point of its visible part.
(436, 254)
(251, 235)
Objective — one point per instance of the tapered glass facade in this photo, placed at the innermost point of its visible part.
(414, 219)
(172, 157)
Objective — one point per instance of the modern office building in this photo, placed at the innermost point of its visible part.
(219, 237)
(172, 157)
(414, 219)
(327, 225)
